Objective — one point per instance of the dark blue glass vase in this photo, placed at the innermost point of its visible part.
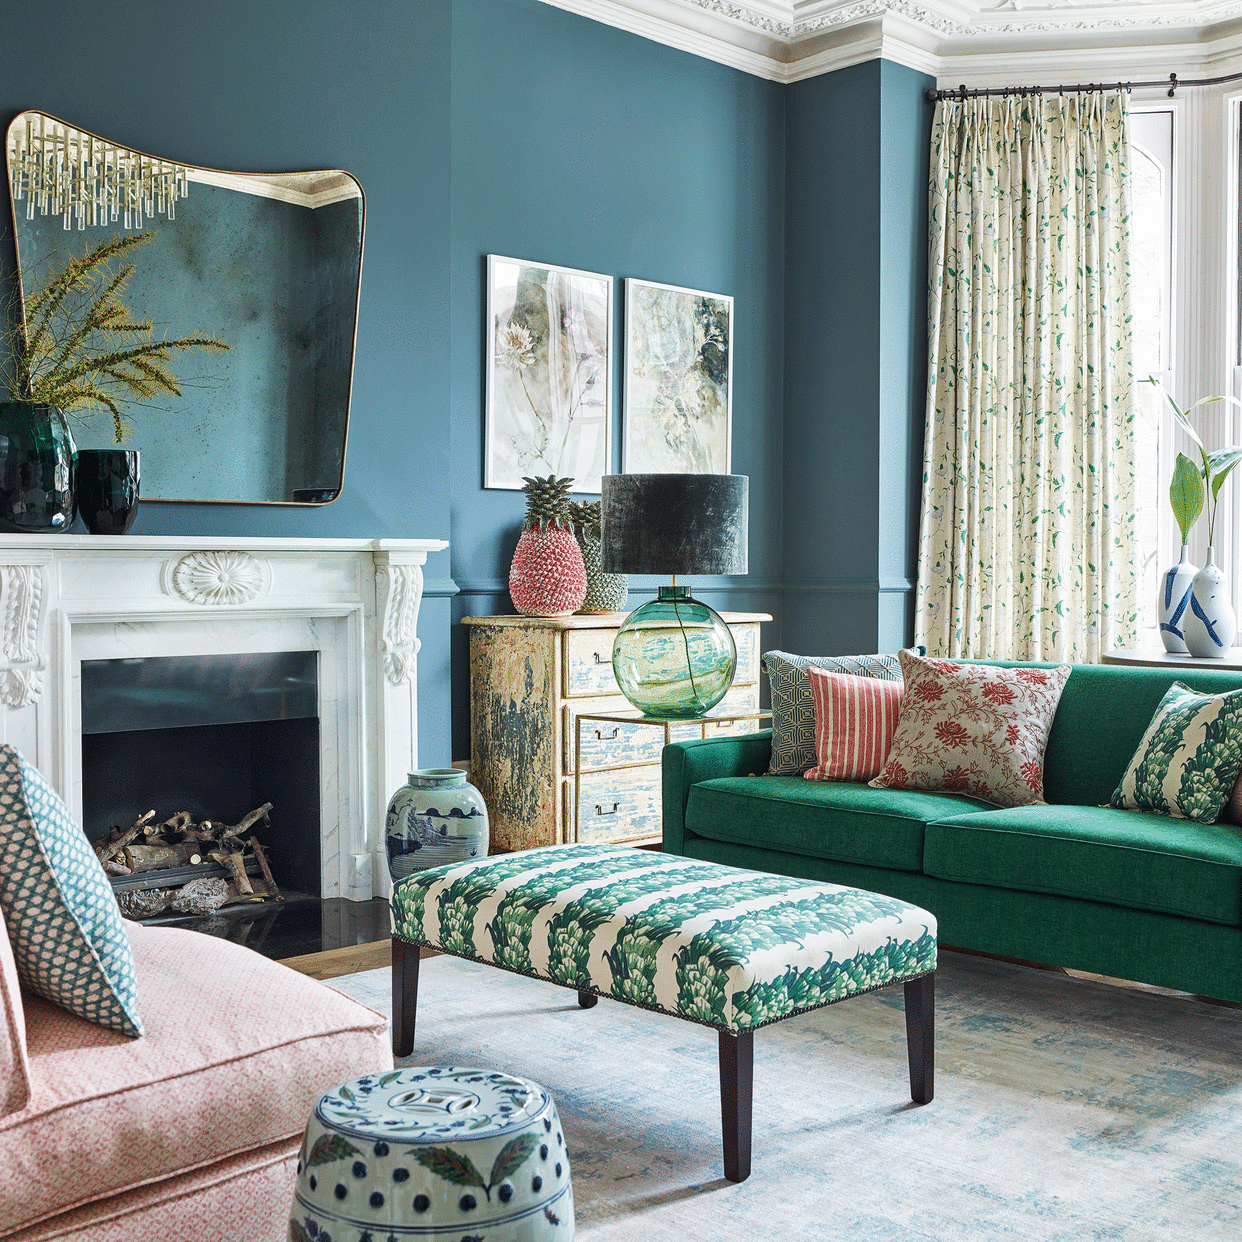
(36, 469)
(107, 486)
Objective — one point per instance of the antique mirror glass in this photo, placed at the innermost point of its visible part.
(268, 263)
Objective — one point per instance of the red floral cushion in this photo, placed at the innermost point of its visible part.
(854, 722)
(973, 729)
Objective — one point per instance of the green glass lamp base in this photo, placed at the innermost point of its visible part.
(674, 656)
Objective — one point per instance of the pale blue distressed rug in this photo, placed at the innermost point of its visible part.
(1065, 1109)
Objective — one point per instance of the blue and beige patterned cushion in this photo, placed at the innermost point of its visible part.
(728, 948)
(1188, 761)
(66, 929)
(793, 709)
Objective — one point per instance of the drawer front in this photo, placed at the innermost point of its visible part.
(588, 659)
(588, 662)
(619, 805)
(746, 637)
(607, 744)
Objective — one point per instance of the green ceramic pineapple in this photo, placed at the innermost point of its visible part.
(605, 592)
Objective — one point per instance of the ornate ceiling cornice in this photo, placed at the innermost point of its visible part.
(786, 40)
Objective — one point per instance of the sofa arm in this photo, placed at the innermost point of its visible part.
(686, 763)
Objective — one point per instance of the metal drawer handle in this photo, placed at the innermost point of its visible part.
(599, 810)
(600, 659)
(615, 733)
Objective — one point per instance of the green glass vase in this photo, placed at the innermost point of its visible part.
(674, 656)
(36, 469)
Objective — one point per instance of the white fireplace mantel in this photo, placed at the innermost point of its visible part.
(69, 598)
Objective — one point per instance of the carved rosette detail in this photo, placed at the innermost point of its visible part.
(220, 578)
(21, 671)
(400, 593)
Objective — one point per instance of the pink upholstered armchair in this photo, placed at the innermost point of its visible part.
(188, 1134)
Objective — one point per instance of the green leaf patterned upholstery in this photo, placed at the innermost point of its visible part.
(728, 948)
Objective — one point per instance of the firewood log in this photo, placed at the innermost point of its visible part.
(156, 857)
(248, 821)
(112, 867)
(261, 856)
(175, 823)
(235, 865)
(114, 847)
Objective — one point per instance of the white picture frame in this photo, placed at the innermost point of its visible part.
(678, 412)
(548, 407)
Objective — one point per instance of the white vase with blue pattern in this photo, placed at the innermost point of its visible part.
(1174, 602)
(1209, 624)
(437, 817)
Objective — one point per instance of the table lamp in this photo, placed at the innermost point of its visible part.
(674, 656)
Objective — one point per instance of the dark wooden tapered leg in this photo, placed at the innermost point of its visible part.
(737, 1066)
(921, 1037)
(588, 1000)
(404, 995)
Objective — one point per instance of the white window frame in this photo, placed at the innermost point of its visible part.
(1207, 130)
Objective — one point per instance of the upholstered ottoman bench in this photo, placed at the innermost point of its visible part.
(730, 949)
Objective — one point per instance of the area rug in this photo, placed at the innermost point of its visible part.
(1065, 1109)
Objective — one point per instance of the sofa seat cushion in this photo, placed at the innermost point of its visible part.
(1125, 858)
(236, 1053)
(844, 822)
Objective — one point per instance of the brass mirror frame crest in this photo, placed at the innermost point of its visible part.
(222, 173)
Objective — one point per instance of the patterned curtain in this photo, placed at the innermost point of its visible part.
(1027, 541)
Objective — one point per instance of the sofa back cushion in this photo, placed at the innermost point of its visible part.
(14, 1068)
(1104, 711)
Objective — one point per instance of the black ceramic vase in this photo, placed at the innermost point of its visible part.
(36, 469)
(107, 483)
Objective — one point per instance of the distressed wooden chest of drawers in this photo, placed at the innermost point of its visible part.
(529, 679)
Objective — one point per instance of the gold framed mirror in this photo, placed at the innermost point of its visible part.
(269, 263)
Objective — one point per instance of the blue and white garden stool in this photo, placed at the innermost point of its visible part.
(437, 1151)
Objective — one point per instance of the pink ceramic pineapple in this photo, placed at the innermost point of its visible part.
(547, 577)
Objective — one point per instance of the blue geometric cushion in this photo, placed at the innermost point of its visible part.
(66, 929)
(793, 708)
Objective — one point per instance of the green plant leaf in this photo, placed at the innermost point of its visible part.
(1181, 418)
(452, 1166)
(329, 1148)
(1186, 494)
(1222, 462)
(512, 1156)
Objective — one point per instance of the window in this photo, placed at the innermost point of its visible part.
(1151, 296)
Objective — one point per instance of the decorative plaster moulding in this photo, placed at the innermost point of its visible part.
(69, 598)
(972, 41)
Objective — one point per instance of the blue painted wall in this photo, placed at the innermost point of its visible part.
(855, 344)
(513, 127)
(600, 150)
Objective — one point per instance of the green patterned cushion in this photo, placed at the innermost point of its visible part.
(1189, 757)
(793, 709)
(717, 945)
(65, 926)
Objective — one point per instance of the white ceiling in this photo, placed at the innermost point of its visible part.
(979, 42)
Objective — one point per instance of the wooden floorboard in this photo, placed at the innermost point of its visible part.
(332, 963)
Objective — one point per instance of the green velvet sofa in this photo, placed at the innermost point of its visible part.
(1071, 882)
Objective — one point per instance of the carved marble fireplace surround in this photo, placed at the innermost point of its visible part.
(69, 598)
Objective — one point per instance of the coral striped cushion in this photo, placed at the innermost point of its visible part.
(854, 722)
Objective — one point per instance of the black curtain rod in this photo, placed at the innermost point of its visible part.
(1173, 82)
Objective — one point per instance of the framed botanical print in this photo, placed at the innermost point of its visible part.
(678, 380)
(549, 374)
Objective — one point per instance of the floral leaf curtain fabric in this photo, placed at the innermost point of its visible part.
(1027, 538)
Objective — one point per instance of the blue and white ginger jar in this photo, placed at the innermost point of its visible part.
(437, 817)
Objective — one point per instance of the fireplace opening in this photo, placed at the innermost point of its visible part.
(215, 736)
